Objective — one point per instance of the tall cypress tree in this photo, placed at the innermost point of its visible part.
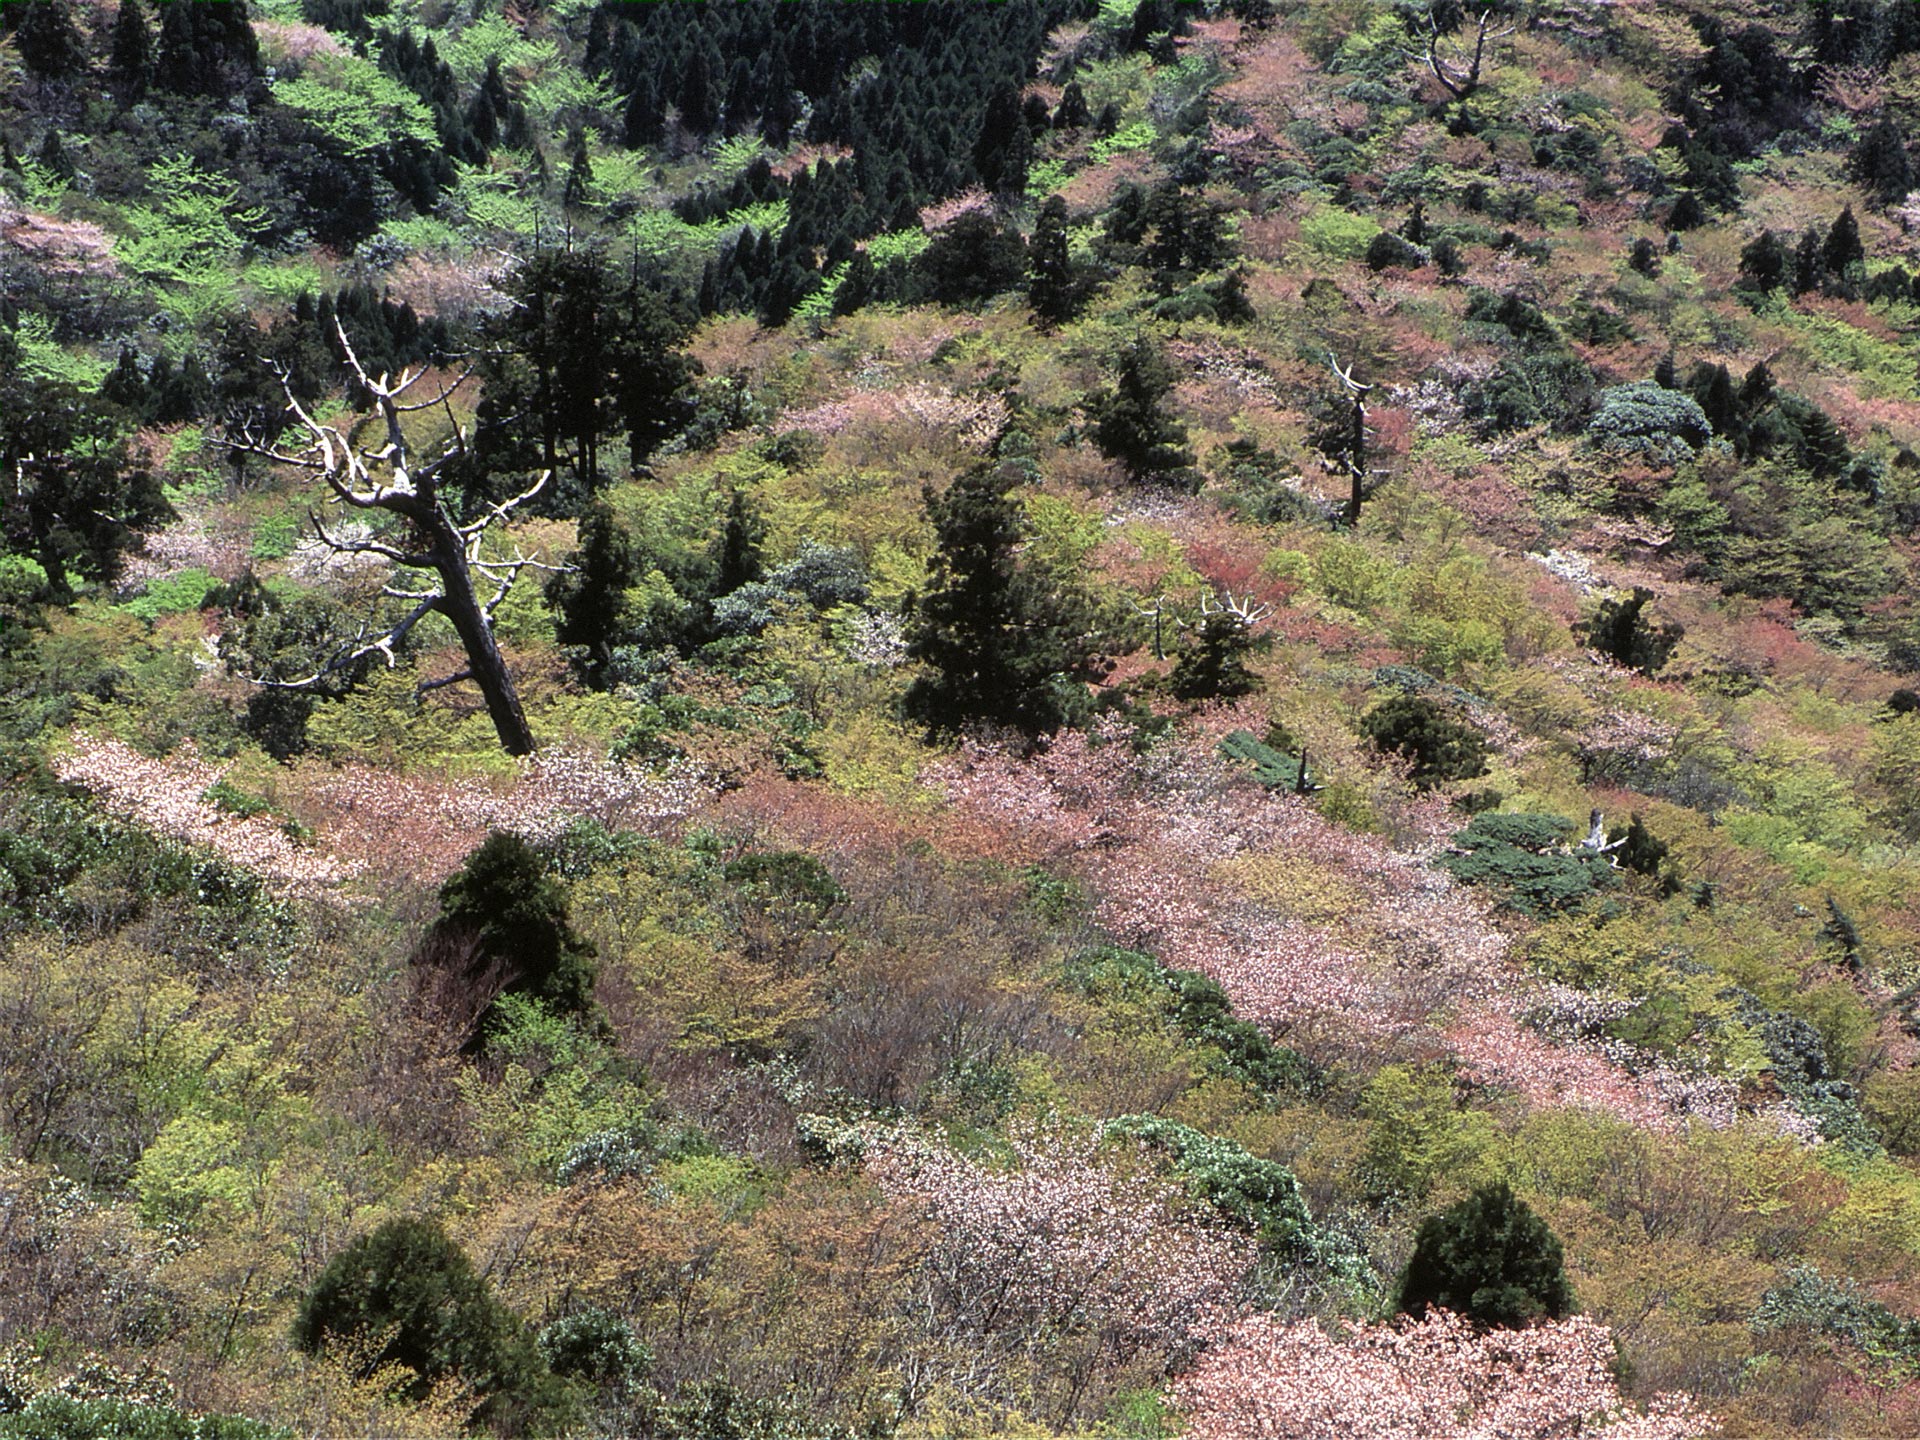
(130, 61)
(1052, 286)
(1131, 423)
(1004, 640)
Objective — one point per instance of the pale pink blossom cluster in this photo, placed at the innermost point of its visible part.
(286, 40)
(1432, 1379)
(167, 797)
(422, 828)
(558, 787)
(1405, 949)
(974, 420)
(56, 246)
(1059, 1239)
(942, 214)
(1241, 370)
(187, 543)
(1573, 1075)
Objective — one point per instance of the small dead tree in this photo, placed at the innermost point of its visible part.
(388, 477)
(1460, 77)
(1343, 443)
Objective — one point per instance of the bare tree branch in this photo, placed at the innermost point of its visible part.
(387, 477)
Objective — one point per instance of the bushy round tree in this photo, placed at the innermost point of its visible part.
(1439, 747)
(407, 1295)
(514, 913)
(1489, 1258)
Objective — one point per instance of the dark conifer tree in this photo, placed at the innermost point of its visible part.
(131, 58)
(589, 599)
(1808, 269)
(1004, 641)
(49, 42)
(644, 122)
(1003, 148)
(1882, 164)
(1842, 255)
(1489, 1259)
(1712, 387)
(1765, 263)
(1072, 112)
(736, 551)
(1053, 288)
(1131, 423)
(699, 108)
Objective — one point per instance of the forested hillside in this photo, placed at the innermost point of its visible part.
(807, 719)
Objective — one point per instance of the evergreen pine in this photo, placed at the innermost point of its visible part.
(130, 61)
(589, 598)
(1131, 423)
(1881, 164)
(1765, 263)
(1842, 255)
(506, 917)
(1003, 640)
(49, 43)
(1214, 665)
(1053, 289)
(1072, 112)
(1489, 1259)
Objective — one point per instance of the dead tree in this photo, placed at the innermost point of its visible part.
(447, 556)
(1344, 444)
(1460, 79)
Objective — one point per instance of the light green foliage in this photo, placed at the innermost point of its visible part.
(1046, 176)
(40, 356)
(275, 537)
(356, 104)
(494, 201)
(1121, 82)
(819, 305)
(284, 280)
(195, 225)
(491, 37)
(1419, 1140)
(1881, 368)
(769, 218)
(897, 247)
(422, 232)
(195, 1164)
(1060, 533)
(1136, 135)
(559, 1087)
(173, 594)
(733, 157)
(1338, 233)
(1351, 575)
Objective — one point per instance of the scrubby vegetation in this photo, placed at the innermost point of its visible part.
(820, 720)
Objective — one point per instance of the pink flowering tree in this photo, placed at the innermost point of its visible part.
(1435, 1379)
(1067, 1273)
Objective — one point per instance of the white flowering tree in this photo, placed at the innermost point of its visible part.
(446, 557)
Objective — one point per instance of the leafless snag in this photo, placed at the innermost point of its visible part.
(387, 476)
(1460, 79)
(1348, 453)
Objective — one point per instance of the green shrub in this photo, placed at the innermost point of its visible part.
(1648, 419)
(1527, 857)
(54, 1416)
(407, 1295)
(505, 905)
(595, 1346)
(1490, 1259)
(1260, 1195)
(1439, 747)
(1198, 1007)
